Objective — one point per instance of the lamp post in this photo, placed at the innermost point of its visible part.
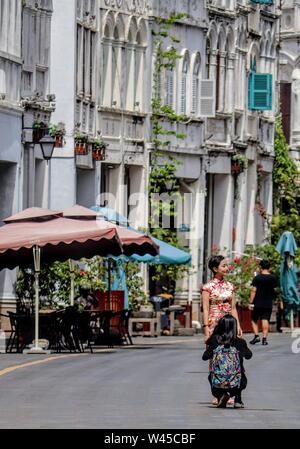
(47, 144)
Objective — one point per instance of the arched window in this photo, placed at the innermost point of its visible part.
(184, 78)
(196, 86)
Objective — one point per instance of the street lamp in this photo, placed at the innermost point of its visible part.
(47, 144)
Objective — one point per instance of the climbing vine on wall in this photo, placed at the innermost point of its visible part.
(164, 128)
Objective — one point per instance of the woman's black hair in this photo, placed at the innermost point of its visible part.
(214, 262)
(226, 330)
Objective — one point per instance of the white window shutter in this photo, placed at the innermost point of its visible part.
(183, 95)
(194, 94)
(207, 98)
(169, 88)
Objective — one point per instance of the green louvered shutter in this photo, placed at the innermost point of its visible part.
(260, 91)
(263, 2)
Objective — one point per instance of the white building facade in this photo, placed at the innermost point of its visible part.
(289, 75)
(101, 73)
(235, 44)
(24, 83)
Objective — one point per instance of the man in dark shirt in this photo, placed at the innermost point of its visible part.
(261, 300)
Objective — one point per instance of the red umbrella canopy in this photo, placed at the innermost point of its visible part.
(33, 214)
(132, 242)
(59, 238)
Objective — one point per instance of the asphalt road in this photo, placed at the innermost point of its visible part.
(159, 383)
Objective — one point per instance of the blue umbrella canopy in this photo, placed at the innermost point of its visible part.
(168, 254)
(111, 215)
(288, 272)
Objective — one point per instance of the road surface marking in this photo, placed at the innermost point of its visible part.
(10, 369)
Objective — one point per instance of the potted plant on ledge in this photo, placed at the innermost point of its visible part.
(58, 131)
(239, 163)
(38, 131)
(81, 143)
(98, 149)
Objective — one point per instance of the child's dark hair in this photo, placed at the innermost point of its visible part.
(214, 262)
(265, 264)
(226, 330)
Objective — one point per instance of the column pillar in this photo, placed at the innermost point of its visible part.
(213, 64)
(240, 215)
(131, 77)
(80, 31)
(296, 108)
(117, 75)
(222, 78)
(31, 175)
(231, 83)
(87, 63)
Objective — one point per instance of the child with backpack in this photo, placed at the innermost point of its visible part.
(226, 353)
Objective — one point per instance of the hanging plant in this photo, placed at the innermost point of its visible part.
(38, 131)
(239, 163)
(58, 131)
(81, 143)
(98, 149)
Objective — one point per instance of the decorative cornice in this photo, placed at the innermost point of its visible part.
(269, 15)
(242, 9)
(7, 107)
(38, 103)
(215, 11)
(118, 111)
(12, 58)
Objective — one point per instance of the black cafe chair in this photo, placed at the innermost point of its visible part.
(120, 329)
(21, 331)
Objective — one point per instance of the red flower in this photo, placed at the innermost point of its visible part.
(82, 273)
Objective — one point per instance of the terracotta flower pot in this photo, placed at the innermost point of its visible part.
(58, 141)
(245, 319)
(236, 168)
(37, 134)
(81, 148)
(98, 154)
